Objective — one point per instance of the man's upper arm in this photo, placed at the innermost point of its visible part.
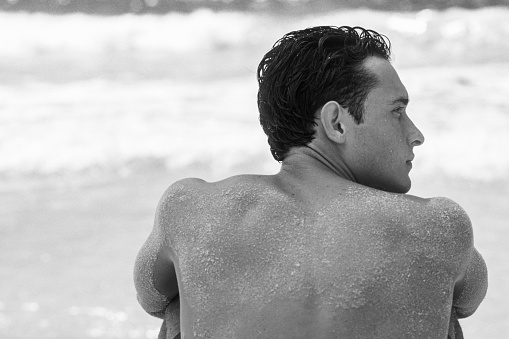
(471, 277)
(165, 277)
(149, 297)
(471, 289)
(154, 272)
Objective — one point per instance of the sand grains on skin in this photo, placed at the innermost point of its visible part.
(236, 233)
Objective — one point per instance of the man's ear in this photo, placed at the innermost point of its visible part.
(332, 117)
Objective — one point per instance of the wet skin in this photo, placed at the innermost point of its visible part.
(326, 248)
(379, 151)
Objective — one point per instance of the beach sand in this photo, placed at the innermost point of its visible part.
(69, 244)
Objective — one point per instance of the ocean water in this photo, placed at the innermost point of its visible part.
(104, 93)
(130, 97)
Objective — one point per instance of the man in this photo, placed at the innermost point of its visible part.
(331, 246)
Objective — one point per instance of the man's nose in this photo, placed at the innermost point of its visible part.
(416, 138)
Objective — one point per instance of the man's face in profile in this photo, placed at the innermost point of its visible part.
(380, 149)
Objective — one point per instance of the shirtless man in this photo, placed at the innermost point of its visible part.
(331, 246)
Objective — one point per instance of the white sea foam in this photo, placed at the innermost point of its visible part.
(31, 35)
(63, 121)
(74, 126)
(437, 33)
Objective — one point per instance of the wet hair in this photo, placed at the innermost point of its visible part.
(304, 70)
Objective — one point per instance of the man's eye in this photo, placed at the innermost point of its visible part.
(398, 111)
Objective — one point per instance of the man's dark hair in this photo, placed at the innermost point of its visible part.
(304, 70)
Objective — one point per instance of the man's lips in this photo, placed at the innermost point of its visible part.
(409, 163)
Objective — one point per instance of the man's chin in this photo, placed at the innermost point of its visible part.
(403, 188)
(400, 185)
(396, 187)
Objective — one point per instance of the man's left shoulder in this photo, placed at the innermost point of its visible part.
(450, 216)
(440, 211)
(445, 232)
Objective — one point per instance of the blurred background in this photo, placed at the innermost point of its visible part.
(105, 103)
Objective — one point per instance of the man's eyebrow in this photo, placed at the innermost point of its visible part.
(401, 100)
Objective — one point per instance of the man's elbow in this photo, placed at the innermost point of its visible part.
(463, 312)
(152, 306)
(473, 288)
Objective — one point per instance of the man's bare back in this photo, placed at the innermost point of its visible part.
(330, 247)
(272, 257)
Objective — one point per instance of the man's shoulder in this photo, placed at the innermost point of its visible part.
(438, 228)
(180, 190)
(196, 184)
(442, 209)
(437, 217)
(193, 190)
(441, 212)
(445, 214)
(452, 222)
(448, 234)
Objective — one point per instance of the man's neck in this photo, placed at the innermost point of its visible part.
(307, 160)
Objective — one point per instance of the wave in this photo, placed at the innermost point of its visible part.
(84, 92)
(419, 37)
(108, 125)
